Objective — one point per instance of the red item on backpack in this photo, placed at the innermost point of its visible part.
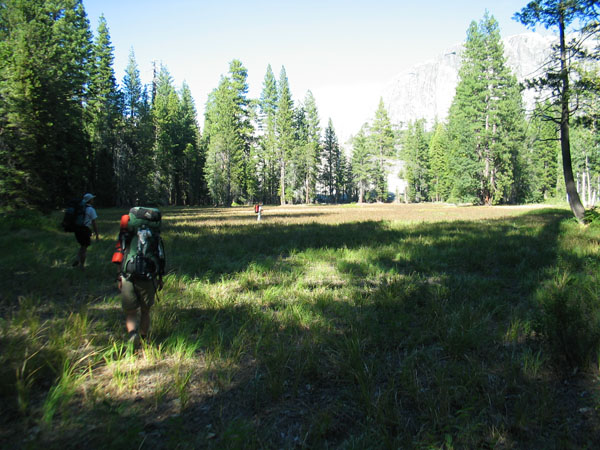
(117, 256)
(124, 221)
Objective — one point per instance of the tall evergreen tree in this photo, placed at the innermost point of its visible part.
(104, 117)
(285, 131)
(132, 88)
(486, 121)
(330, 163)
(134, 161)
(416, 157)
(438, 164)
(382, 140)
(362, 163)
(266, 160)
(225, 146)
(192, 161)
(561, 15)
(167, 152)
(44, 54)
(299, 163)
(239, 84)
(542, 155)
(344, 179)
(312, 154)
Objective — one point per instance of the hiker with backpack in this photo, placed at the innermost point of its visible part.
(140, 255)
(82, 221)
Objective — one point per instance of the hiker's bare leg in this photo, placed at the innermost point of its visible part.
(81, 256)
(144, 321)
(131, 321)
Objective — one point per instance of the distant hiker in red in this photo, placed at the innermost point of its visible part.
(258, 210)
(83, 231)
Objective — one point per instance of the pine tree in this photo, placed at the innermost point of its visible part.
(542, 155)
(299, 164)
(362, 163)
(438, 164)
(313, 148)
(344, 179)
(239, 84)
(132, 88)
(382, 140)
(192, 162)
(266, 160)
(486, 121)
(44, 54)
(134, 161)
(285, 132)
(225, 146)
(562, 14)
(104, 117)
(416, 157)
(330, 163)
(167, 153)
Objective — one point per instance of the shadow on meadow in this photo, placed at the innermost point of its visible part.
(424, 337)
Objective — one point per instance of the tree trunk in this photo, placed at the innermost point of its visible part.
(307, 189)
(588, 183)
(282, 183)
(565, 145)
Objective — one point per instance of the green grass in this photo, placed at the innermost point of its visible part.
(314, 329)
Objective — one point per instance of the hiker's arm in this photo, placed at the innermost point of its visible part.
(95, 228)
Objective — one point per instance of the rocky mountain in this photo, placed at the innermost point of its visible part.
(426, 90)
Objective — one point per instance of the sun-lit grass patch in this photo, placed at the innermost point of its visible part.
(419, 326)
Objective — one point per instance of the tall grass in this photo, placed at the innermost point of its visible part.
(314, 329)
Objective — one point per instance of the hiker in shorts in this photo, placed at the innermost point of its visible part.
(83, 233)
(137, 295)
(140, 255)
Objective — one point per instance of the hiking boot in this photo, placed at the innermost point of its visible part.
(134, 338)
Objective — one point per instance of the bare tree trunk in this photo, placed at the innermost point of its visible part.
(582, 189)
(565, 145)
(307, 189)
(589, 183)
(282, 183)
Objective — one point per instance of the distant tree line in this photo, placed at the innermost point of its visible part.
(489, 151)
(67, 126)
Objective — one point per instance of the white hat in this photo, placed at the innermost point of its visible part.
(87, 197)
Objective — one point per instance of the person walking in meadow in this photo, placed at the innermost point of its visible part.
(83, 230)
(258, 210)
(141, 258)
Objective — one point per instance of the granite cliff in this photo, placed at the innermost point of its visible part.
(426, 90)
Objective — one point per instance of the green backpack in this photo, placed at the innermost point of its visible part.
(143, 247)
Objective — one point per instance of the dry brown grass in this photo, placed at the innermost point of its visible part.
(334, 214)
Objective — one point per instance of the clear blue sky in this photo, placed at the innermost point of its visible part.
(344, 51)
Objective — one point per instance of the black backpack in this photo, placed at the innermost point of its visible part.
(74, 215)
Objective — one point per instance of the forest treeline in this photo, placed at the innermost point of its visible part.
(67, 126)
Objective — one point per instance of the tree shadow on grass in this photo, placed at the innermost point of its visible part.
(413, 345)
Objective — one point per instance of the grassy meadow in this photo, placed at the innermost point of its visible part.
(352, 327)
